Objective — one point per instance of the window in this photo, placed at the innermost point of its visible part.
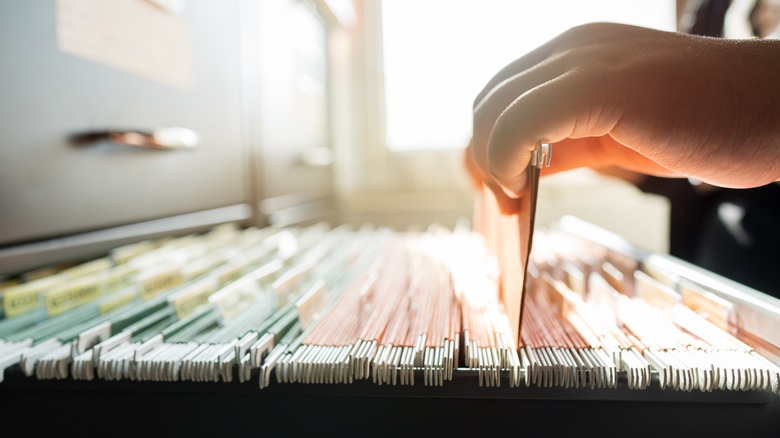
(438, 54)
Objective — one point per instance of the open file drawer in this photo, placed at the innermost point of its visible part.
(463, 404)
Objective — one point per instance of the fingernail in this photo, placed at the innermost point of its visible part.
(513, 187)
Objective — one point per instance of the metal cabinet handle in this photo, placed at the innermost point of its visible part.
(160, 138)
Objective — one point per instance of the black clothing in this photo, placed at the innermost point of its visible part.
(732, 232)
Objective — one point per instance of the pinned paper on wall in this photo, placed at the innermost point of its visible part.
(133, 36)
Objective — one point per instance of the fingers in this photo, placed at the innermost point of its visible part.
(574, 104)
(488, 111)
(520, 65)
(570, 40)
(571, 92)
(586, 93)
(550, 61)
(506, 204)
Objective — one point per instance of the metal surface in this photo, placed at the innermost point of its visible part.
(49, 188)
(20, 258)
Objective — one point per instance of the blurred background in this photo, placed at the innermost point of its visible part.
(126, 119)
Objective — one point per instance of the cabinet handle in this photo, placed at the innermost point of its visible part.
(160, 138)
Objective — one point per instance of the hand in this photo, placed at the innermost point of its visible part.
(654, 102)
